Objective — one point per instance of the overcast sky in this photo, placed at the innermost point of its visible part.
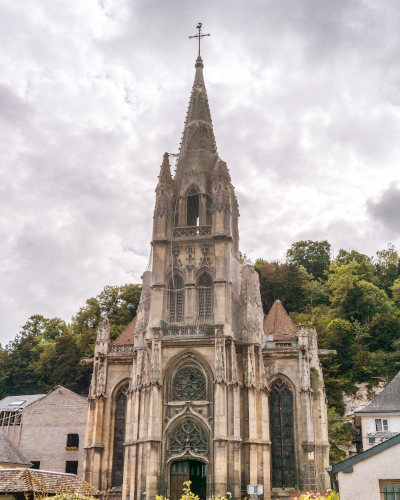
(305, 101)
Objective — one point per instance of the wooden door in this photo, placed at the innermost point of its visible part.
(179, 474)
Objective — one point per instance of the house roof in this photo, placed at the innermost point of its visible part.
(127, 336)
(12, 403)
(27, 480)
(278, 323)
(387, 401)
(346, 466)
(10, 454)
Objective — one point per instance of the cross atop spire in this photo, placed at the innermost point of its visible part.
(199, 35)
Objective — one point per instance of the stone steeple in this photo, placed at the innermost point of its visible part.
(198, 151)
(189, 391)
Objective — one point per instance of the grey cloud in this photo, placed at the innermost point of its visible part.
(305, 106)
(386, 208)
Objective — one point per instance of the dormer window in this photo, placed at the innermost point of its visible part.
(193, 206)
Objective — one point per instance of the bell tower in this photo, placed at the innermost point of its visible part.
(185, 391)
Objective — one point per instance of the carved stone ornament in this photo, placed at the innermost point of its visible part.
(121, 349)
(139, 368)
(235, 378)
(103, 332)
(249, 373)
(190, 436)
(220, 202)
(220, 361)
(155, 374)
(189, 384)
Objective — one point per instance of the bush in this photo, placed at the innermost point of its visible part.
(315, 495)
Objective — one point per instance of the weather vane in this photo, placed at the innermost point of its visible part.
(200, 35)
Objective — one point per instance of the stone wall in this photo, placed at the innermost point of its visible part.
(46, 425)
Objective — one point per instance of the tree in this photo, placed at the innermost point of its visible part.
(314, 256)
(386, 264)
(285, 282)
(365, 268)
(396, 293)
(383, 331)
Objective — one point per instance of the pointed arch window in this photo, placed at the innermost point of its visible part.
(205, 296)
(176, 298)
(119, 436)
(193, 206)
(281, 432)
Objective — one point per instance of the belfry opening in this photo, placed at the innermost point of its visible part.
(202, 385)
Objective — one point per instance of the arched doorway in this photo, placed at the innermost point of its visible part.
(188, 470)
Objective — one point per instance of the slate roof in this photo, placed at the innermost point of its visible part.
(387, 401)
(347, 465)
(26, 480)
(126, 337)
(5, 404)
(278, 323)
(10, 454)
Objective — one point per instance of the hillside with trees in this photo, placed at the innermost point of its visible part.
(353, 300)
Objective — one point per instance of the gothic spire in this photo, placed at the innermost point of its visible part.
(198, 148)
(165, 170)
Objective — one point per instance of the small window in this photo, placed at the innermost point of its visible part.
(390, 489)
(371, 440)
(17, 403)
(35, 464)
(72, 442)
(71, 467)
(385, 424)
(378, 424)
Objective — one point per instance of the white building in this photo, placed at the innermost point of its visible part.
(380, 419)
(371, 475)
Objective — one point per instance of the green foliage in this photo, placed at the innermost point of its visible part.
(285, 282)
(189, 495)
(47, 352)
(244, 259)
(386, 264)
(314, 256)
(339, 434)
(69, 496)
(396, 293)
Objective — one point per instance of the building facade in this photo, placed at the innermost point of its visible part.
(49, 429)
(380, 419)
(201, 385)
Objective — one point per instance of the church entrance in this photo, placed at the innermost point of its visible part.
(188, 470)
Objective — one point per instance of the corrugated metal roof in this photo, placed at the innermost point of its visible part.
(6, 404)
(26, 480)
(387, 401)
(10, 454)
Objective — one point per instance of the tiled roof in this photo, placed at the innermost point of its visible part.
(26, 480)
(386, 401)
(6, 403)
(278, 323)
(126, 336)
(10, 454)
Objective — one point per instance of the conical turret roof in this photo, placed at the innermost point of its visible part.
(278, 323)
(198, 151)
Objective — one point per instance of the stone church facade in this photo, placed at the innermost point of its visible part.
(201, 386)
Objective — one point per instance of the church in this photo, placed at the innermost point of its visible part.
(201, 385)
